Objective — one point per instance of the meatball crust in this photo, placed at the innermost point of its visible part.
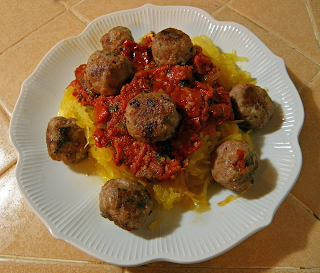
(234, 163)
(172, 46)
(125, 202)
(66, 141)
(115, 38)
(106, 72)
(251, 104)
(152, 117)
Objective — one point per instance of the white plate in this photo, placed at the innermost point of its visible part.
(67, 201)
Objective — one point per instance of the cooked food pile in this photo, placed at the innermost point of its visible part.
(158, 116)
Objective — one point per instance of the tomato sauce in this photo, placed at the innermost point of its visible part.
(241, 162)
(202, 104)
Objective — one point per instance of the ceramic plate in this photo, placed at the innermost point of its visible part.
(66, 199)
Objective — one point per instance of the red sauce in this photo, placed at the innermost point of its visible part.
(139, 54)
(202, 105)
(241, 162)
(82, 94)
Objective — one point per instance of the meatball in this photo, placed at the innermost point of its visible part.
(66, 141)
(251, 104)
(234, 163)
(172, 46)
(152, 117)
(125, 202)
(114, 39)
(106, 72)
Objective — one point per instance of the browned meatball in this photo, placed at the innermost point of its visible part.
(66, 141)
(152, 117)
(114, 39)
(125, 202)
(106, 72)
(234, 163)
(172, 46)
(251, 104)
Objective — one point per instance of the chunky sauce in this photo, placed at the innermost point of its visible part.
(199, 97)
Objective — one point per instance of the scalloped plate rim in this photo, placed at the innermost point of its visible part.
(158, 256)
